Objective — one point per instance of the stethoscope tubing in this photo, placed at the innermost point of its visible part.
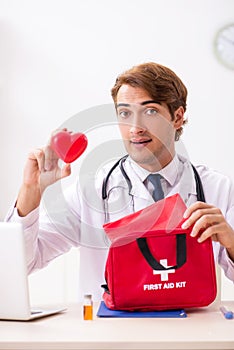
(120, 162)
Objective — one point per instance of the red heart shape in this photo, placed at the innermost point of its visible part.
(68, 147)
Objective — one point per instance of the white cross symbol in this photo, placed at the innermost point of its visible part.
(164, 274)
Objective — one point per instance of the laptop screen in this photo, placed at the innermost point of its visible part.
(14, 300)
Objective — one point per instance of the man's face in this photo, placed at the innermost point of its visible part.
(147, 128)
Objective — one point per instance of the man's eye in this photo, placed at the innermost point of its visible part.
(124, 114)
(151, 111)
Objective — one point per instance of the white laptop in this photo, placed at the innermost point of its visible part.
(14, 289)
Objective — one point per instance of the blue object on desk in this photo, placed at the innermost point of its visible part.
(103, 311)
(226, 313)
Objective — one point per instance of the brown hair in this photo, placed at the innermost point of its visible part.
(162, 84)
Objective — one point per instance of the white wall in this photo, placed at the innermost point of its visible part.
(59, 57)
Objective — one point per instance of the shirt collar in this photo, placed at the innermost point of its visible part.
(169, 172)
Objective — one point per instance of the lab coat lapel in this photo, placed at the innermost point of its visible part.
(141, 195)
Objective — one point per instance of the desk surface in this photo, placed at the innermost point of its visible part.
(204, 328)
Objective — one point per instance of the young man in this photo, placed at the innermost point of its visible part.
(150, 102)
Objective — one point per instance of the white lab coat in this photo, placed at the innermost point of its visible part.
(76, 216)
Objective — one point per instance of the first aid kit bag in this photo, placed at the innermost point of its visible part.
(160, 269)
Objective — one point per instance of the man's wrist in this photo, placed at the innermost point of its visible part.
(29, 199)
(230, 252)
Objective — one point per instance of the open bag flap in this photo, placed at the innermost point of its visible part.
(165, 215)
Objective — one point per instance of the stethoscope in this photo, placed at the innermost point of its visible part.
(120, 162)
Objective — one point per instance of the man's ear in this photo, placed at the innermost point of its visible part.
(178, 117)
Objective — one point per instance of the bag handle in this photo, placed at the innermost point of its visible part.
(181, 253)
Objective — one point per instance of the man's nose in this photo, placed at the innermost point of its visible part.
(137, 126)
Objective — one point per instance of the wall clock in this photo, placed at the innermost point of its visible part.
(224, 45)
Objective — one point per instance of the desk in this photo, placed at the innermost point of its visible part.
(203, 329)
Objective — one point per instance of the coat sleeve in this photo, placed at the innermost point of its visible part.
(57, 230)
(219, 191)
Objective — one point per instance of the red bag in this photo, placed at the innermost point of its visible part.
(153, 264)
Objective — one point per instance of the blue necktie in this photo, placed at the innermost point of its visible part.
(155, 179)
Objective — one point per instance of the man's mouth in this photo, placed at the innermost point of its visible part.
(139, 142)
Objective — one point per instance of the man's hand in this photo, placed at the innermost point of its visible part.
(208, 221)
(41, 170)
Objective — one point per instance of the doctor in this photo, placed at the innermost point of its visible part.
(150, 102)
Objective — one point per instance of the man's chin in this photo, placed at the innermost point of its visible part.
(144, 160)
